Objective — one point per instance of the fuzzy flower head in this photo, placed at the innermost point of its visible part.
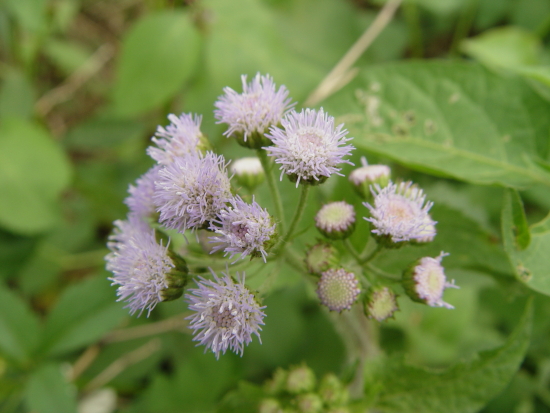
(400, 213)
(140, 200)
(191, 190)
(425, 281)
(181, 137)
(338, 289)
(251, 113)
(142, 268)
(242, 228)
(309, 148)
(226, 314)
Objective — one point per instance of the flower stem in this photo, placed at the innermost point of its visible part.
(372, 255)
(297, 217)
(268, 169)
(352, 250)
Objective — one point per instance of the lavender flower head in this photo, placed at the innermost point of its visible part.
(425, 281)
(181, 137)
(139, 264)
(226, 314)
(309, 148)
(191, 190)
(140, 200)
(400, 212)
(251, 113)
(242, 228)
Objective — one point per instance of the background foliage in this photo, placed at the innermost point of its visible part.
(453, 94)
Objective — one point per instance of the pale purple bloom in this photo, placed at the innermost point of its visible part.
(226, 314)
(255, 110)
(140, 200)
(369, 173)
(191, 190)
(243, 228)
(309, 148)
(139, 264)
(179, 138)
(338, 289)
(400, 212)
(430, 281)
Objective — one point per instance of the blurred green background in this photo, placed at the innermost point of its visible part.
(83, 86)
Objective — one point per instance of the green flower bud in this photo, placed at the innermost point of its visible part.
(248, 172)
(277, 383)
(321, 257)
(332, 391)
(336, 220)
(301, 379)
(362, 178)
(309, 403)
(270, 406)
(380, 303)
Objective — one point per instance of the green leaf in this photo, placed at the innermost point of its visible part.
(529, 264)
(508, 47)
(449, 118)
(158, 55)
(33, 170)
(83, 314)
(14, 252)
(19, 327)
(48, 391)
(465, 387)
(16, 96)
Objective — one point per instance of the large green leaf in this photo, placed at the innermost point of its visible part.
(530, 260)
(33, 170)
(19, 327)
(48, 391)
(463, 388)
(449, 118)
(83, 314)
(158, 55)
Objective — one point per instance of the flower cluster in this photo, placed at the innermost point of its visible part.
(189, 190)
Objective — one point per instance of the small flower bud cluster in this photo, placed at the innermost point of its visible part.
(299, 391)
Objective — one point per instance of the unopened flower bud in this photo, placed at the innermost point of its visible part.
(338, 289)
(424, 281)
(248, 172)
(309, 403)
(270, 406)
(336, 220)
(332, 391)
(321, 257)
(301, 379)
(380, 303)
(365, 176)
(277, 383)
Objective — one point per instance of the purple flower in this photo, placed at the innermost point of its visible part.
(191, 190)
(401, 213)
(255, 110)
(226, 314)
(139, 264)
(425, 281)
(309, 148)
(140, 200)
(181, 137)
(244, 229)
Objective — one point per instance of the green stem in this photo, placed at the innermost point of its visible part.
(372, 255)
(268, 169)
(352, 250)
(297, 217)
(381, 273)
(412, 17)
(463, 26)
